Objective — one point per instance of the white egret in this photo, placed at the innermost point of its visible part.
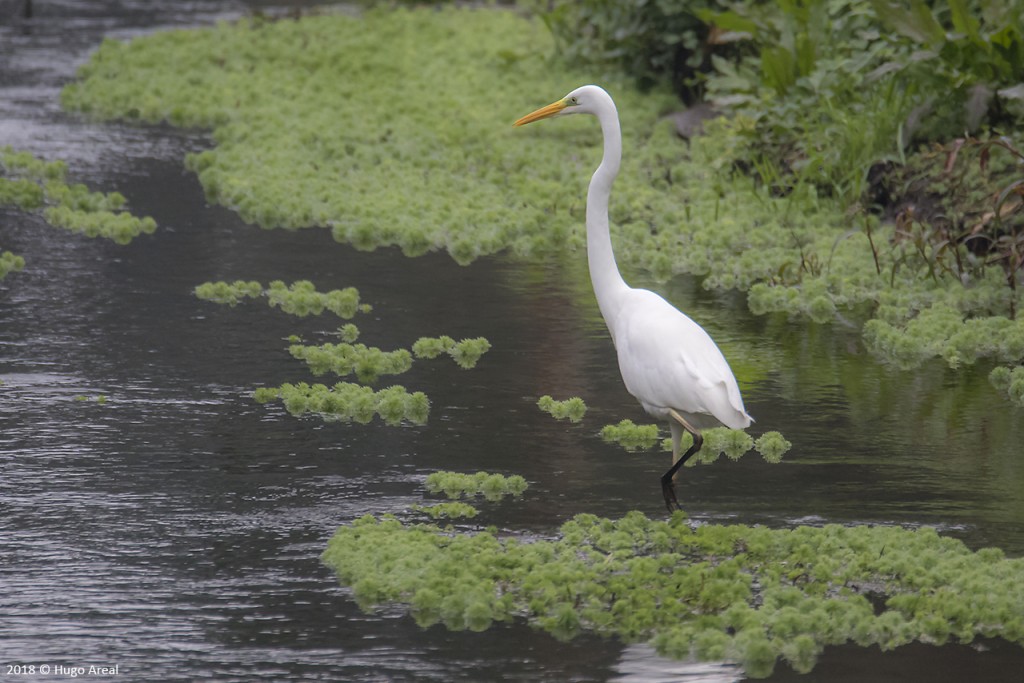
(668, 362)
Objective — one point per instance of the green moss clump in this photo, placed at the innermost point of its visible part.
(10, 263)
(748, 595)
(465, 353)
(349, 402)
(368, 363)
(631, 436)
(572, 409)
(34, 184)
(491, 486)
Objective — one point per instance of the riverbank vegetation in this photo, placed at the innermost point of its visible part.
(839, 183)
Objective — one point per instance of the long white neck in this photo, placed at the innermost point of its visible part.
(604, 274)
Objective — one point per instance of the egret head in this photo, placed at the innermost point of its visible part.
(587, 99)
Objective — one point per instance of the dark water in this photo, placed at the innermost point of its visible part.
(175, 529)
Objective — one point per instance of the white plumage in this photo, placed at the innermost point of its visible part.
(668, 362)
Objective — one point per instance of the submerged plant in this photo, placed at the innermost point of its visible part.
(491, 486)
(349, 402)
(738, 593)
(572, 409)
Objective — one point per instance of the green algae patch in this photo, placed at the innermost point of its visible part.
(493, 487)
(349, 402)
(29, 183)
(744, 594)
(572, 409)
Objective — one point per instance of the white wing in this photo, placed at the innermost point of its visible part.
(669, 361)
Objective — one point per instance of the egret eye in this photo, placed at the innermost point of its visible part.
(573, 100)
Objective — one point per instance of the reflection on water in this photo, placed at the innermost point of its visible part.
(175, 528)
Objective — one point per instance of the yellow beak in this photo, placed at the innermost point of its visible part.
(542, 113)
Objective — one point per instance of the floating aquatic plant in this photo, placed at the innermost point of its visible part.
(10, 263)
(572, 409)
(349, 333)
(1010, 381)
(349, 402)
(749, 595)
(490, 486)
(455, 510)
(465, 353)
(120, 227)
(32, 183)
(734, 443)
(631, 436)
(772, 446)
(367, 362)
(300, 298)
(230, 293)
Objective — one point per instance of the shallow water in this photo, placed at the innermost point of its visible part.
(175, 528)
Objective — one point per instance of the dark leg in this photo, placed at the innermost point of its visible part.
(668, 489)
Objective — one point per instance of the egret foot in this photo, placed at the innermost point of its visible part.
(668, 490)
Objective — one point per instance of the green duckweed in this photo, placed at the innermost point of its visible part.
(491, 486)
(572, 409)
(29, 183)
(349, 402)
(744, 594)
